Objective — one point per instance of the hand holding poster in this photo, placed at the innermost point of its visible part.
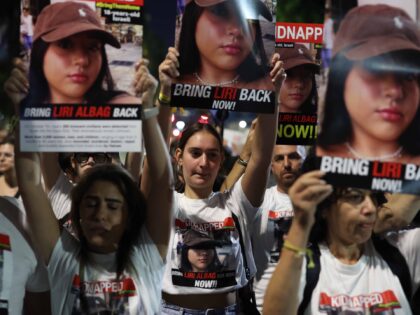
(369, 132)
(222, 62)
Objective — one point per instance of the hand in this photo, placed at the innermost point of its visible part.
(17, 85)
(144, 83)
(277, 73)
(168, 70)
(306, 193)
(246, 150)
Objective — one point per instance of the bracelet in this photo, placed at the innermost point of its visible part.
(149, 112)
(163, 99)
(300, 252)
(242, 162)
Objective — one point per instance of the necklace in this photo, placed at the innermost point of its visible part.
(231, 82)
(395, 154)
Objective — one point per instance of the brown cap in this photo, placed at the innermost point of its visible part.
(194, 238)
(250, 9)
(60, 20)
(296, 56)
(372, 30)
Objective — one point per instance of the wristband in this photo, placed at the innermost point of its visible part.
(163, 99)
(242, 162)
(300, 252)
(149, 112)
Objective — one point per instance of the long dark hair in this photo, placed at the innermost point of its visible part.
(254, 67)
(101, 90)
(133, 198)
(336, 125)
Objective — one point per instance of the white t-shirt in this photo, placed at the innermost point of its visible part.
(136, 292)
(59, 196)
(276, 212)
(367, 286)
(19, 268)
(212, 216)
(26, 25)
(328, 36)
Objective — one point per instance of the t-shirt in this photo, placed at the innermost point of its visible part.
(212, 217)
(267, 237)
(59, 196)
(328, 36)
(26, 26)
(367, 287)
(137, 291)
(19, 268)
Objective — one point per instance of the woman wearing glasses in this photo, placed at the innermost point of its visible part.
(354, 276)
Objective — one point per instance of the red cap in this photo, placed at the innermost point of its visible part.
(251, 9)
(63, 19)
(372, 30)
(297, 56)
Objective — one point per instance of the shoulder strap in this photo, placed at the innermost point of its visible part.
(395, 261)
(241, 242)
(312, 277)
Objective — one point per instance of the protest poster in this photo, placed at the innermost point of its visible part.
(368, 134)
(82, 63)
(298, 38)
(224, 64)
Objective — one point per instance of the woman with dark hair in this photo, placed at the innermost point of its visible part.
(117, 259)
(221, 44)
(298, 93)
(8, 184)
(373, 94)
(347, 269)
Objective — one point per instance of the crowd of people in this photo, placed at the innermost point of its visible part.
(85, 233)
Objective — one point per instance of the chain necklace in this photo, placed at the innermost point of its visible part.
(231, 82)
(395, 154)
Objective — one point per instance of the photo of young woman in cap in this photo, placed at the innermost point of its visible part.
(68, 59)
(199, 252)
(220, 44)
(373, 94)
(298, 93)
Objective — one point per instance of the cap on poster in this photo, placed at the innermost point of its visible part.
(251, 9)
(372, 30)
(63, 19)
(193, 238)
(296, 56)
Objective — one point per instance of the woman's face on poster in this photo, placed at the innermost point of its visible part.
(224, 39)
(200, 258)
(71, 66)
(381, 105)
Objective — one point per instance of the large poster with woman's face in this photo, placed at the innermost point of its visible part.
(299, 37)
(225, 49)
(82, 57)
(369, 133)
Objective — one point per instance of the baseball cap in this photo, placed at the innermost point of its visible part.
(297, 56)
(250, 9)
(194, 238)
(63, 19)
(372, 30)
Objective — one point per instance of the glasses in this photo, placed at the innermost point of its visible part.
(358, 196)
(6, 155)
(97, 157)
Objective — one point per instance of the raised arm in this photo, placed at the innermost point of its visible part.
(239, 167)
(159, 169)
(255, 177)
(397, 212)
(306, 193)
(41, 218)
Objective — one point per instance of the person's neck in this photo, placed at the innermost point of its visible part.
(197, 193)
(61, 99)
(368, 147)
(346, 253)
(6, 189)
(210, 74)
(285, 109)
(282, 189)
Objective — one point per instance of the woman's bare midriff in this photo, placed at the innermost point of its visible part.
(201, 301)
